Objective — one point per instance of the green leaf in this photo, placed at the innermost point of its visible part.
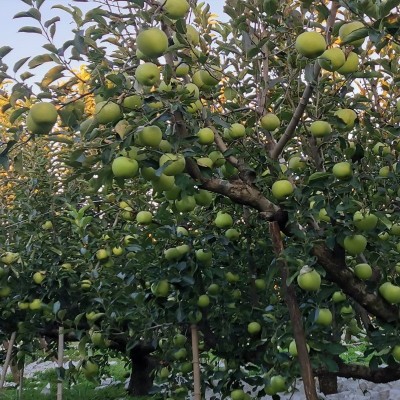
(4, 51)
(35, 13)
(20, 63)
(52, 75)
(316, 176)
(355, 35)
(51, 21)
(17, 113)
(30, 29)
(386, 7)
(39, 60)
(4, 161)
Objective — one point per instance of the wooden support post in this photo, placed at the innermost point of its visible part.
(60, 362)
(196, 364)
(8, 358)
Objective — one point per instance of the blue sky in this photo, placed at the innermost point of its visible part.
(29, 44)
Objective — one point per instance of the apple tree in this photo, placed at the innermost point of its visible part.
(237, 176)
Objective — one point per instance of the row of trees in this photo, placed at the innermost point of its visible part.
(238, 177)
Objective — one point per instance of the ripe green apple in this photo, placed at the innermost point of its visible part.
(124, 167)
(355, 244)
(237, 131)
(204, 198)
(163, 183)
(232, 234)
(365, 221)
(390, 292)
(282, 189)
(238, 394)
(297, 164)
(254, 328)
(47, 225)
(278, 383)
(338, 297)
(332, 59)
(144, 217)
(185, 204)
(213, 289)
(181, 70)
(86, 284)
(173, 194)
(363, 271)
(203, 301)
(175, 9)
(192, 35)
(165, 146)
(204, 256)
(323, 317)
(5, 291)
(43, 114)
(260, 284)
(323, 215)
(161, 288)
(396, 353)
(38, 277)
(151, 136)
(231, 277)
(172, 254)
(23, 305)
(164, 373)
(310, 44)
(351, 64)
(309, 280)
(217, 158)
(147, 74)
(223, 220)
(183, 249)
(320, 129)
(293, 348)
(342, 170)
(186, 367)
(35, 305)
(346, 29)
(383, 236)
(117, 251)
(211, 76)
(346, 311)
(270, 122)
(179, 340)
(181, 231)
(176, 163)
(107, 112)
(90, 369)
(395, 229)
(132, 102)
(180, 354)
(381, 149)
(102, 254)
(193, 90)
(205, 136)
(347, 116)
(152, 42)
(384, 172)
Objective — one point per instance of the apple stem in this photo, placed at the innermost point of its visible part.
(60, 362)
(295, 317)
(8, 358)
(196, 364)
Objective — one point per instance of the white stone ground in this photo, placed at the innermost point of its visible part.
(349, 389)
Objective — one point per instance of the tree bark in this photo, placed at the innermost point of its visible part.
(295, 318)
(328, 384)
(142, 374)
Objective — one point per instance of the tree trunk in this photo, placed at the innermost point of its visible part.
(142, 375)
(328, 384)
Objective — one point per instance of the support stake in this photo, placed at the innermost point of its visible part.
(196, 364)
(60, 362)
(8, 358)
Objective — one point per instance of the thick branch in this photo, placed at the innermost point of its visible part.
(335, 265)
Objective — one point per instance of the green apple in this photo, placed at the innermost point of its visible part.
(254, 328)
(175, 163)
(175, 9)
(163, 183)
(185, 204)
(270, 122)
(204, 162)
(355, 244)
(90, 369)
(124, 167)
(363, 271)
(237, 394)
(346, 311)
(181, 231)
(102, 254)
(231, 277)
(192, 35)
(293, 348)
(181, 70)
(342, 170)
(147, 74)
(346, 29)
(173, 194)
(323, 317)
(282, 189)
(237, 131)
(309, 279)
(204, 198)
(144, 217)
(38, 277)
(152, 42)
(204, 256)
(217, 158)
(232, 234)
(365, 221)
(383, 236)
(172, 254)
(193, 90)
(223, 220)
(151, 136)
(278, 383)
(203, 301)
(351, 64)
(43, 114)
(165, 146)
(390, 292)
(47, 225)
(161, 288)
(395, 229)
(323, 215)
(86, 284)
(213, 289)
(132, 102)
(179, 340)
(117, 251)
(211, 76)
(347, 116)
(320, 129)
(107, 112)
(260, 284)
(310, 44)
(381, 149)
(332, 59)
(164, 373)
(5, 291)
(35, 305)
(396, 352)
(180, 354)
(205, 136)
(384, 172)
(297, 164)
(183, 249)
(338, 297)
